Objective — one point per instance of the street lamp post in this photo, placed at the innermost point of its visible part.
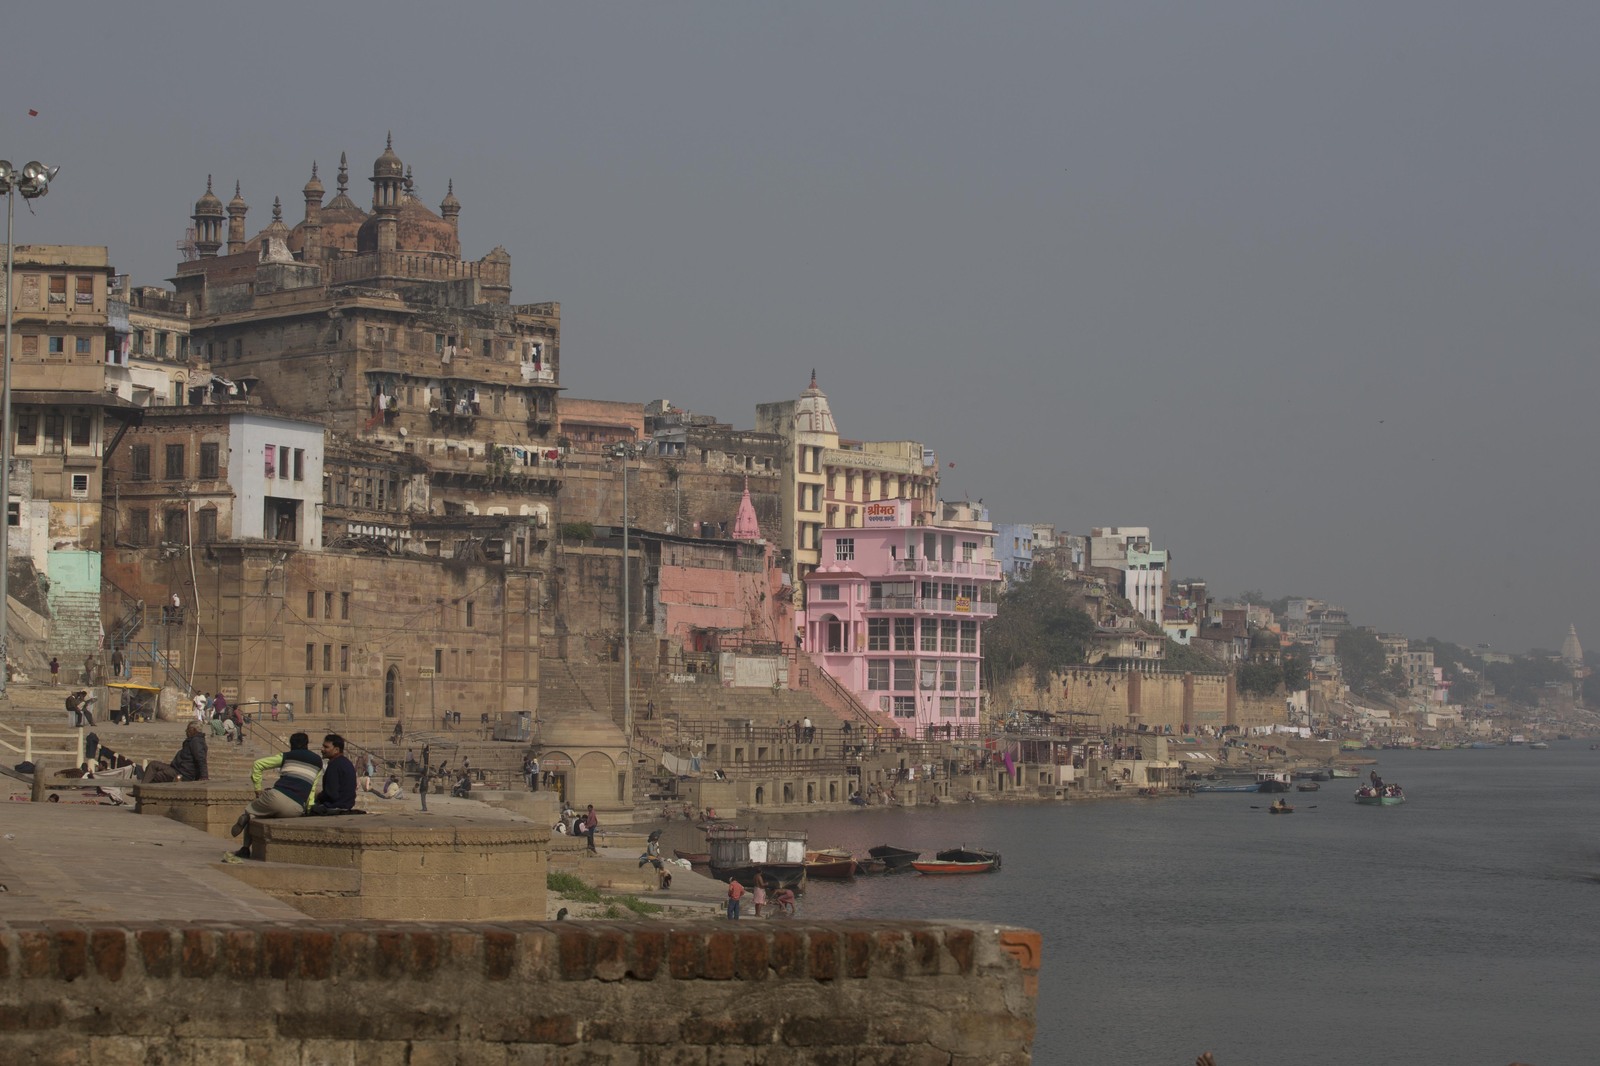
(33, 182)
(623, 452)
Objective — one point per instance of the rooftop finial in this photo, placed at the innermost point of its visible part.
(388, 141)
(208, 183)
(313, 168)
(277, 209)
(344, 173)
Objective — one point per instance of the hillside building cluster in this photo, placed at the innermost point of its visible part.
(332, 467)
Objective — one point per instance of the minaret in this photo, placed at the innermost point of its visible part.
(207, 220)
(450, 208)
(388, 187)
(311, 247)
(236, 212)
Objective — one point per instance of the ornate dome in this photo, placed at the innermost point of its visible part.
(208, 205)
(341, 219)
(388, 164)
(313, 189)
(417, 229)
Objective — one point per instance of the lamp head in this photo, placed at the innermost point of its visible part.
(36, 178)
(7, 175)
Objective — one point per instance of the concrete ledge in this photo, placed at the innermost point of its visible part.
(419, 867)
(889, 993)
(320, 891)
(207, 806)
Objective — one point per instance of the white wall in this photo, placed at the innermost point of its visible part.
(249, 435)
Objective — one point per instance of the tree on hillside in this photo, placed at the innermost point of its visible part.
(1296, 670)
(1039, 626)
(1526, 679)
(1188, 659)
(1260, 678)
(1361, 660)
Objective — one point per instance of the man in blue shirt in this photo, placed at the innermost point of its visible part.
(338, 779)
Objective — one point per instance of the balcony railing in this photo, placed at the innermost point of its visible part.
(974, 568)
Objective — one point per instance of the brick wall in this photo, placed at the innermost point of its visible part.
(774, 993)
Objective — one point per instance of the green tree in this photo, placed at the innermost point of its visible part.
(1188, 659)
(1361, 660)
(1296, 670)
(1039, 626)
(1260, 679)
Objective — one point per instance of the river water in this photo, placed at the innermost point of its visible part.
(1462, 927)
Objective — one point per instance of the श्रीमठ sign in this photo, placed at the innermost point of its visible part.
(882, 513)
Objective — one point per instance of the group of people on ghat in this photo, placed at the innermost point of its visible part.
(781, 900)
(308, 783)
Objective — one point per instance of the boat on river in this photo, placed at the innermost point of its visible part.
(831, 864)
(1249, 786)
(962, 860)
(694, 858)
(1280, 808)
(1273, 781)
(777, 855)
(894, 859)
(1344, 771)
(1540, 745)
(1384, 796)
(1308, 786)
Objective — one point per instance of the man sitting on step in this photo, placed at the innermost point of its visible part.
(299, 769)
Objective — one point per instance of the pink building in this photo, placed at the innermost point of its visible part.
(894, 612)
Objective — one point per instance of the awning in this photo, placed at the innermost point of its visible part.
(133, 686)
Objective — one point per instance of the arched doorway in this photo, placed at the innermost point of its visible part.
(391, 692)
(761, 795)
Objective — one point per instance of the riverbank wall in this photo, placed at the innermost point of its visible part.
(1129, 698)
(517, 993)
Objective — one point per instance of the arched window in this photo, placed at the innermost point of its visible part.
(391, 691)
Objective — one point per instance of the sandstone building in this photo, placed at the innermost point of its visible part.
(64, 423)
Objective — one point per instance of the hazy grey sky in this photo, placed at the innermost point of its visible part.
(1306, 287)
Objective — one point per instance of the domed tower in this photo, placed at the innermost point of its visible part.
(207, 220)
(338, 223)
(237, 209)
(388, 189)
(450, 208)
(311, 228)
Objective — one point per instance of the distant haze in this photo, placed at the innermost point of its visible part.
(1309, 289)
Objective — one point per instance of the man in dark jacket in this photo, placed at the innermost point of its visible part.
(338, 778)
(188, 765)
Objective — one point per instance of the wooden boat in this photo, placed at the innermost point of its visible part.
(1275, 809)
(1388, 796)
(1539, 745)
(1344, 771)
(1252, 786)
(894, 859)
(1308, 786)
(1273, 781)
(831, 864)
(871, 866)
(694, 858)
(939, 866)
(777, 855)
(966, 854)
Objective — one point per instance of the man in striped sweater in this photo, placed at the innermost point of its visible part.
(298, 771)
